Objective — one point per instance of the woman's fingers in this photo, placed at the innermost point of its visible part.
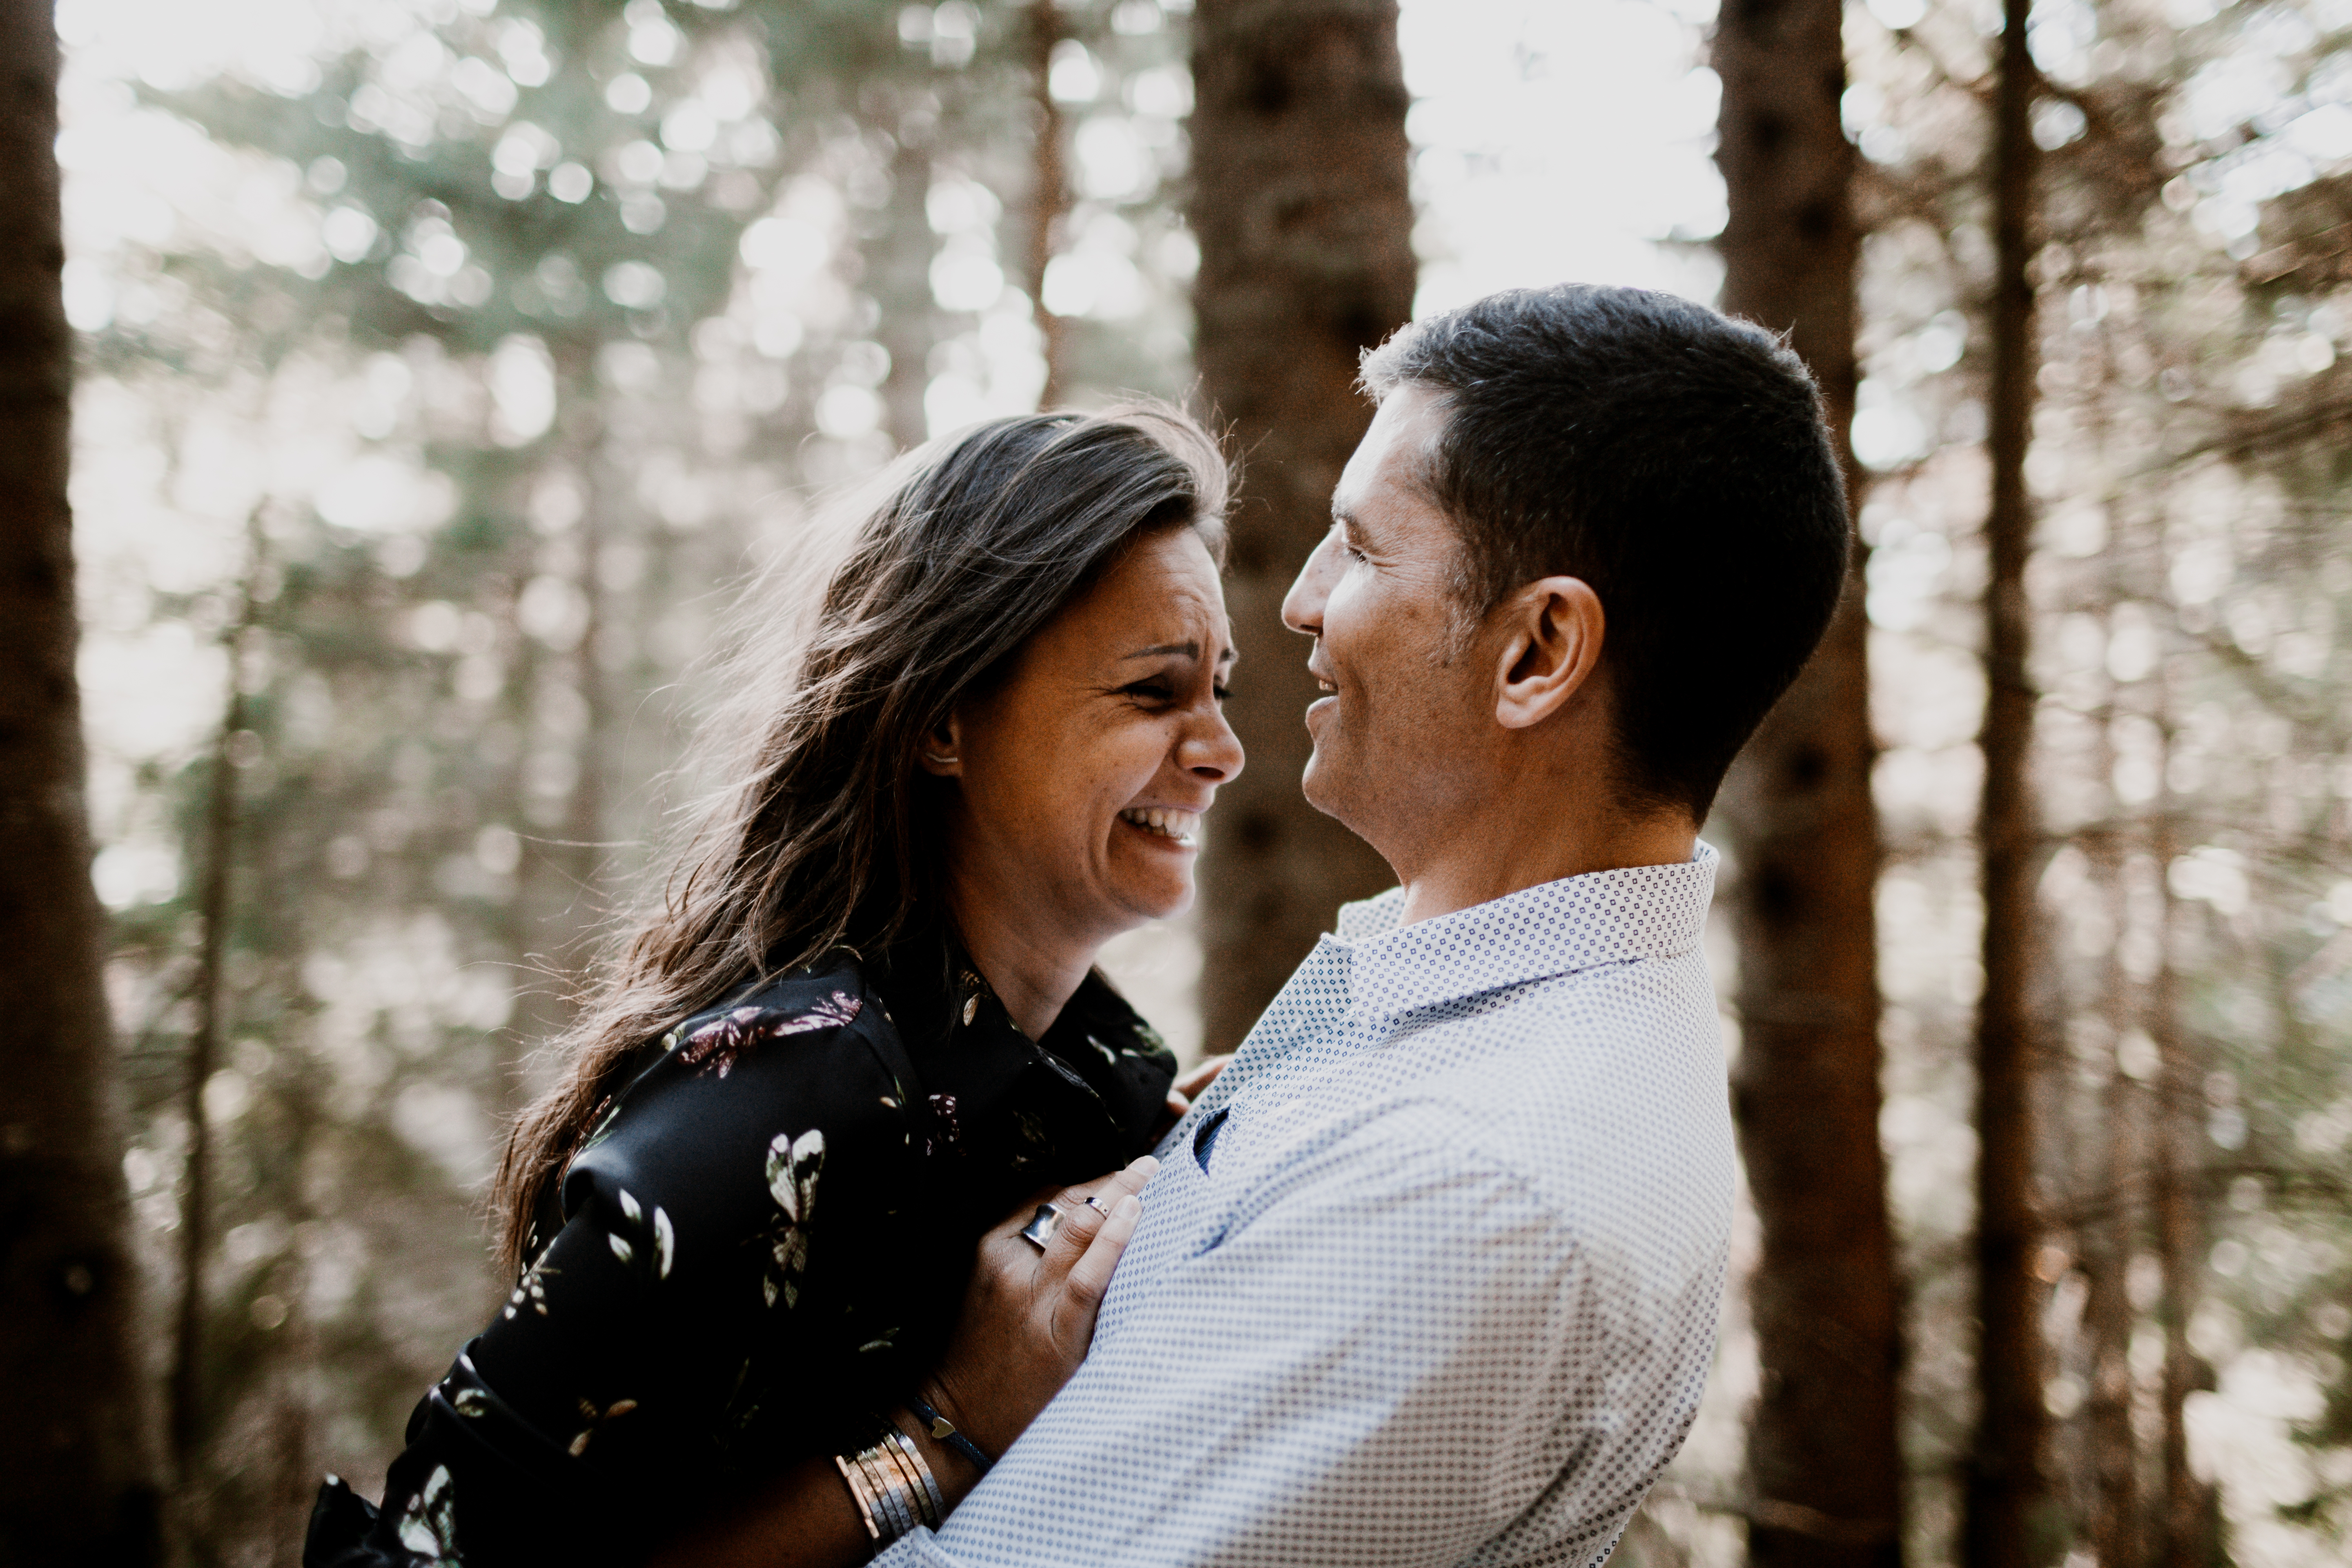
(1090, 1276)
(1202, 1074)
(1028, 1316)
(1082, 1220)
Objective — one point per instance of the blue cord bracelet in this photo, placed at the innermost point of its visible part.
(941, 1427)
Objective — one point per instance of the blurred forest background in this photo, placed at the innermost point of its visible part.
(441, 365)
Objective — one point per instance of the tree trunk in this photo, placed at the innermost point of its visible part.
(586, 851)
(188, 1412)
(1301, 203)
(2003, 1524)
(2108, 1233)
(78, 1481)
(2182, 1534)
(1049, 198)
(559, 880)
(907, 251)
(1823, 1456)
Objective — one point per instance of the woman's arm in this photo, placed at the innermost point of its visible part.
(1028, 1318)
(721, 1261)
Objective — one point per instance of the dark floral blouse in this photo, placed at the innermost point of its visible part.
(763, 1243)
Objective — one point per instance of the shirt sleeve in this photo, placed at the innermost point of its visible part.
(712, 1234)
(1395, 1353)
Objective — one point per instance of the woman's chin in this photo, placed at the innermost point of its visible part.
(1143, 899)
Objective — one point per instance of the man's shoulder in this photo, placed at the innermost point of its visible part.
(1585, 1086)
(1588, 1046)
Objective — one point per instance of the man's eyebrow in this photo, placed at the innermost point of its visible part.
(1354, 523)
(1188, 650)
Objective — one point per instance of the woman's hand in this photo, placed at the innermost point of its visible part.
(1027, 1320)
(1204, 1073)
(1029, 1316)
(1186, 1089)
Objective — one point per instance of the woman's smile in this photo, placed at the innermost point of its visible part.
(1170, 823)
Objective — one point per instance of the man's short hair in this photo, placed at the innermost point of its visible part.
(1674, 459)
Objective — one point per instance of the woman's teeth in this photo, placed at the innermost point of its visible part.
(1167, 823)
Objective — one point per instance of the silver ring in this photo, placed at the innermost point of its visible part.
(1096, 1204)
(1040, 1230)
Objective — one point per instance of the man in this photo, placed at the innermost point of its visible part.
(1430, 1274)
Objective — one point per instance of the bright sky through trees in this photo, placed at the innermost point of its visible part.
(1561, 143)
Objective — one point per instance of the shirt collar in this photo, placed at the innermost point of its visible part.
(1553, 928)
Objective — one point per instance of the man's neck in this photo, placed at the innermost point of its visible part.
(1516, 843)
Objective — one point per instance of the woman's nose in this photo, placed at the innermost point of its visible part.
(1211, 751)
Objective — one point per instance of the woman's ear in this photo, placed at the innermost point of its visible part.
(941, 752)
(1553, 630)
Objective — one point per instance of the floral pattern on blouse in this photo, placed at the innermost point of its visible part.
(794, 1164)
(763, 1239)
(721, 1042)
(428, 1525)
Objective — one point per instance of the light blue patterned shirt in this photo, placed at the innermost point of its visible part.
(1446, 1289)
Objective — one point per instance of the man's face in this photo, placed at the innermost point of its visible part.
(1400, 739)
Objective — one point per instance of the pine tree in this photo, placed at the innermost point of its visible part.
(77, 1478)
(1822, 1455)
(1300, 201)
(2005, 1525)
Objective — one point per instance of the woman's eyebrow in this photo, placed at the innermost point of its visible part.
(1191, 650)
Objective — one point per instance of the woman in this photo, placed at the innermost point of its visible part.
(862, 1025)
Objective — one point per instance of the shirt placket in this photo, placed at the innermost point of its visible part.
(1289, 1025)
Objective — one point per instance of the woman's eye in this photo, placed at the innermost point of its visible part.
(1151, 691)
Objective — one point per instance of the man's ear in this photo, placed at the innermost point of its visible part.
(1552, 631)
(941, 753)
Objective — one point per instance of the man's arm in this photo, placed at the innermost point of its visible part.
(1394, 1352)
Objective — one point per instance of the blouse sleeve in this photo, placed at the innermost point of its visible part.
(718, 1227)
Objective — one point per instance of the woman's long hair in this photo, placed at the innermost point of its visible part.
(821, 829)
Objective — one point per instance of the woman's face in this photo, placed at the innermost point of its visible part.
(1084, 773)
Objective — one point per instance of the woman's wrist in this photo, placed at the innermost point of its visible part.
(941, 1429)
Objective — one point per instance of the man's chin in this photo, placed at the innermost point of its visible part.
(1317, 783)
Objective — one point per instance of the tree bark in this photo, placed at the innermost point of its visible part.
(188, 1412)
(77, 1477)
(2006, 1497)
(1823, 1456)
(2107, 1243)
(2183, 1532)
(1049, 198)
(906, 330)
(1301, 205)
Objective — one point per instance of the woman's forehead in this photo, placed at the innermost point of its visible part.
(1163, 592)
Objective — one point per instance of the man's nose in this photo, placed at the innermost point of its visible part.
(1302, 607)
